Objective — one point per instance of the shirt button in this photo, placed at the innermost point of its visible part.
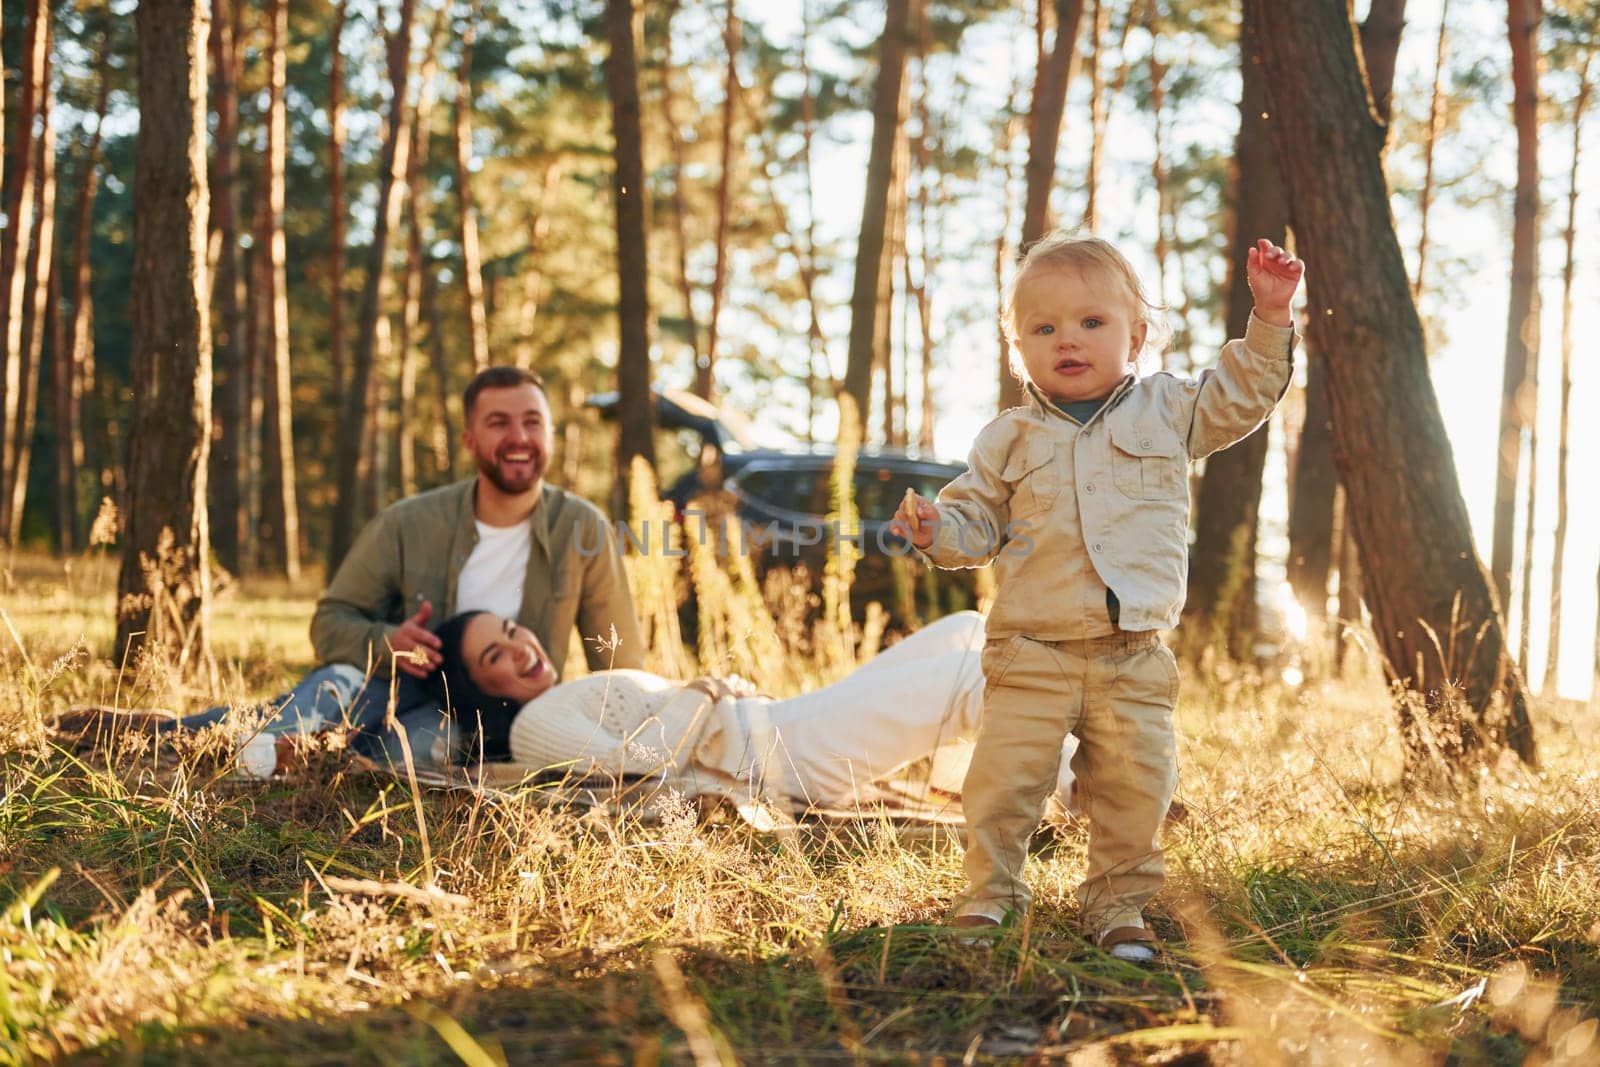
(1144, 442)
(1097, 546)
(1089, 488)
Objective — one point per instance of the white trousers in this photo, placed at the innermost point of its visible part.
(902, 706)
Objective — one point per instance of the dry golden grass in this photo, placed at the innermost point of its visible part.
(1320, 907)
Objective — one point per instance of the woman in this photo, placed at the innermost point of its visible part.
(713, 737)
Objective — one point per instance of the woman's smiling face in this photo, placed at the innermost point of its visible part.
(504, 659)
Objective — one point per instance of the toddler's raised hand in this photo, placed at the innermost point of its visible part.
(1274, 275)
(913, 519)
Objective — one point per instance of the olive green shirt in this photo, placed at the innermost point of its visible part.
(413, 551)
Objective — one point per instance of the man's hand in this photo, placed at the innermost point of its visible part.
(1274, 275)
(913, 519)
(414, 637)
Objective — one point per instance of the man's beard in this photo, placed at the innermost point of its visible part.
(490, 469)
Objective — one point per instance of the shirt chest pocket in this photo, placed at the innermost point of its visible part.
(1033, 477)
(1148, 463)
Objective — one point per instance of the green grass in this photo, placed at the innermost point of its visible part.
(1321, 907)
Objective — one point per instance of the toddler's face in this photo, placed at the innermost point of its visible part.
(1077, 334)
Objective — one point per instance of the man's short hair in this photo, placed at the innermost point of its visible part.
(496, 378)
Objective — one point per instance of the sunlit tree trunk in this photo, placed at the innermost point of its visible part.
(15, 293)
(533, 264)
(1552, 668)
(893, 249)
(230, 410)
(280, 512)
(1220, 610)
(816, 347)
(411, 281)
(1429, 146)
(635, 405)
(1008, 206)
(706, 364)
(471, 255)
(1435, 616)
(170, 427)
(680, 212)
(875, 208)
(38, 315)
(391, 171)
(1517, 399)
(1099, 24)
(336, 208)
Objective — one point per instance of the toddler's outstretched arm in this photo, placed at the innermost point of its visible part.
(1274, 276)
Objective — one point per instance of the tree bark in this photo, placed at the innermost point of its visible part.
(705, 367)
(1522, 321)
(163, 588)
(1434, 612)
(228, 471)
(392, 168)
(680, 214)
(411, 282)
(1311, 545)
(875, 208)
(1052, 76)
(39, 315)
(280, 512)
(336, 211)
(635, 405)
(1222, 579)
(471, 255)
(20, 195)
(1099, 24)
(533, 266)
(1552, 663)
(816, 347)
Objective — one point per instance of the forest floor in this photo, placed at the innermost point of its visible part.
(1322, 906)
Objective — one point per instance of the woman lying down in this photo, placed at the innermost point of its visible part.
(820, 749)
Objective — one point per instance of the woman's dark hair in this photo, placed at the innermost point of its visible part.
(486, 719)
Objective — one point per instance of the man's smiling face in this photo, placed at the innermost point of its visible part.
(508, 434)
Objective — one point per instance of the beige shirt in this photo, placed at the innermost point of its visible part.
(1067, 511)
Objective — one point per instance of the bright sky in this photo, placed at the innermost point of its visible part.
(1470, 310)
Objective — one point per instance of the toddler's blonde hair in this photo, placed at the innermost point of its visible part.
(1090, 255)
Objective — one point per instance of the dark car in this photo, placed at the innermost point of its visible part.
(782, 498)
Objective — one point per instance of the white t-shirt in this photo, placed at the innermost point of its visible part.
(491, 579)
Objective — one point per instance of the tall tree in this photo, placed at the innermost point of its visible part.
(1580, 105)
(705, 367)
(635, 406)
(38, 314)
(1052, 75)
(1316, 483)
(1522, 320)
(1435, 615)
(336, 209)
(467, 222)
(228, 474)
(280, 512)
(163, 587)
(680, 214)
(892, 47)
(20, 197)
(73, 350)
(391, 174)
(1429, 146)
(1099, 23)
(1222, 581)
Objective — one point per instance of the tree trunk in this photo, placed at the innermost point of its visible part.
(1435, 615)
(228, 471)
(280, 514)
(1052, 76)
(411, 282)
(1430, 142)
(928, 259)
(1222, 579)
(1349, 596)
(20, 196)
(875, 208)
(680, 214)
(893, 248)
(815, 346)
(705, 367)
(440, 359)
(392, 168)
(1311, 545)
(533, 266)
(1522, 321)
(336, 210)
(163, 588)
(471, 256)
(39, 314)
(1552, 667)
(1099, 24)
(635, 406)
(75, 349)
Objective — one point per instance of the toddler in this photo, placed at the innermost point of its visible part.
(1081, 496)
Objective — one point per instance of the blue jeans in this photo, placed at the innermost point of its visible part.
(338, 694)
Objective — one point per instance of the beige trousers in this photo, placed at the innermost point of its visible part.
(1116, 694)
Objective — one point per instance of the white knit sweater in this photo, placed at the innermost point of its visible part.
(612, 723)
